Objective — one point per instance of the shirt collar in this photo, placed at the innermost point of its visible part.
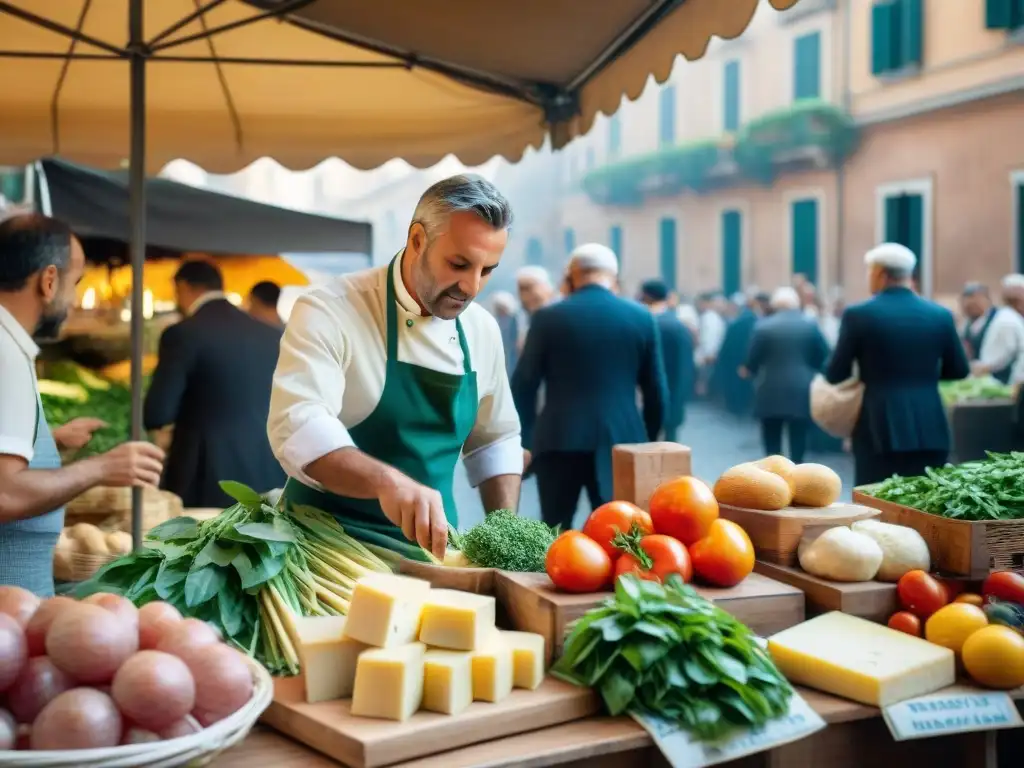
(402, 295)
(21, 337)
(205, 299)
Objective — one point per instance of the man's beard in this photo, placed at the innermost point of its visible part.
(51, 321)
(445, 303)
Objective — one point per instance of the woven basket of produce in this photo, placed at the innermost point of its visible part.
(83, 549)
(111, 508)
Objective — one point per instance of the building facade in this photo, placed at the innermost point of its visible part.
(818, 133)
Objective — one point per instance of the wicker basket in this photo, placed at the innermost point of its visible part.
(111, 508)
(195, 750)
(78, 566)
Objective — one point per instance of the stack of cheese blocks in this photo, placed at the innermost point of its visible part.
(405, 647)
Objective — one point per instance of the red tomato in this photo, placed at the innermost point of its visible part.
(1007, 586)
(667, 556)
(577, 563)
(905, 621)
(724, 557)
(921, 594)
(953, 588)
(684, 509)
(612, 518)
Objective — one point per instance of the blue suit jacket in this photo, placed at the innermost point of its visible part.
(903, 346)
(787, 350)
(591, 351)
(680, 368)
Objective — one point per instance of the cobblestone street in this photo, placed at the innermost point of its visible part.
(718, 441)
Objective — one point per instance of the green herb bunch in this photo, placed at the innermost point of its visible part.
(507, 541)
(663, 650)
(991, 489)
(248, 572)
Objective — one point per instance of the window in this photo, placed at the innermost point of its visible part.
(896, 35)
(667, 115)
(569, 237)
(1017, 189)
(615, 242)
(731, 96)
(1004, 14)
(534, 252)
(804, 228)
(807, 66)
(614, 135)
(732, 251)
(668, 250)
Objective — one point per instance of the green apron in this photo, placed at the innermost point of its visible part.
(418, 427)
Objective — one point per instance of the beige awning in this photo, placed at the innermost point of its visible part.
(364, 80)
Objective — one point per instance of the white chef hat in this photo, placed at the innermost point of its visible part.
(1013, 281)
(596, 257)
(891, 256)
(785, 298)
(533, 274)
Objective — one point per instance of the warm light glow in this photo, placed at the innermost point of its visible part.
(235, 298)
(126, 315)
(147, 305)
(89, 299)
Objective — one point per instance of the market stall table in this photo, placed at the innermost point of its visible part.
(856, 736)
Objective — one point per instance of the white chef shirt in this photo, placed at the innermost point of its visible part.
(331, 370)
(711, 336)
(1004, 340)
(18, 388)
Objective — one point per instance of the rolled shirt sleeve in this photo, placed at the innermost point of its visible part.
(18, 407)
(495, 446)
(1004, 339)
(309, 383)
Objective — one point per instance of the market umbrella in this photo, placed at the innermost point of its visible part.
(224, 82)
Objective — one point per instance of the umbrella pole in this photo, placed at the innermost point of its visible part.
(137, 218)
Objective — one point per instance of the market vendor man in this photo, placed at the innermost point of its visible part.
(40, 264)
(386, 376)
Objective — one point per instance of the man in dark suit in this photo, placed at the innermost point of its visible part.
(902, 346)
(262, 303)
(590, 351)
(676, 353)
(786, 352)
(736, 391)
(212, 383)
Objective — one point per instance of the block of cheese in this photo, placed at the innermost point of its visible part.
(389, 682)
(492, 670)
(385, 610)
(328, 658)
(860, 660)
(447, 681)
(527, 658)
(458, 621)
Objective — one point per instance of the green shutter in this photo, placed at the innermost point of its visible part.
(731, 96)
(914, 229)
(1020, 228)
(911, 42)
(732, 251)
(534, 252)
(884, 37)
(893, 219)
(668, 249)
(807, 66)
(804, 238)
(615, 244)
(570, 240)
(667, 115)
(999, 14)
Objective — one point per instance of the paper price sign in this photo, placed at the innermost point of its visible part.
(681, 750)
(955, 710)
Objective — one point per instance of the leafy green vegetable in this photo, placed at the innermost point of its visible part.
(991, 489)
(507, 541)
(663, 650)
(975, 388)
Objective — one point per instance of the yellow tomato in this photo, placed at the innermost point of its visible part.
(952, 624)
(994, 657)
(970, 598)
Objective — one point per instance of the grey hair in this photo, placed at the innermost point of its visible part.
(898, 274)
(785, 298)
(465, 192)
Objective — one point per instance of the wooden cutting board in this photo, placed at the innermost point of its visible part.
(776, 533)
(872, 600)
(532, 604)
(359, 742)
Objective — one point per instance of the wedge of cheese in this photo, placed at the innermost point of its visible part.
(327, 656)
(385, 610)
(527, 658)
(860, 660)
(389, 682)
(447, 681)
(492, 670)
(458, 621)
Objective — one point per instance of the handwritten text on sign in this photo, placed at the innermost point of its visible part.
(952, 711)
(681, 750)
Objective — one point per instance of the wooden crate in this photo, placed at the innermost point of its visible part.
(478, 580)
(958, 547)
(639, 468)
(534, 605)
(776, 534)
(872, 600)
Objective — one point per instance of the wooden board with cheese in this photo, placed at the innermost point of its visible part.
(534, 605)
(874, 600)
